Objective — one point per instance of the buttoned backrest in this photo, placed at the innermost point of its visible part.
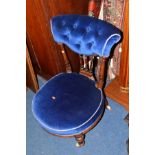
(85, 35)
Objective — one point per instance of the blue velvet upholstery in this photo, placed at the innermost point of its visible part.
(68, 104)
(85, 35)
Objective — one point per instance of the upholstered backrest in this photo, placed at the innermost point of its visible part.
(85, 35)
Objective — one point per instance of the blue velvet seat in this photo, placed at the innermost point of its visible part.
(69, 103)
(68, 108)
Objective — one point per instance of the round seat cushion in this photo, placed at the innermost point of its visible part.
(68, 104)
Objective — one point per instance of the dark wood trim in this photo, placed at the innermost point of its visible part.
(114, 92)
(31, 79)
(101, 72)
(124, 63)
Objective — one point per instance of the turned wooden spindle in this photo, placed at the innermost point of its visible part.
(65, 57)
(101, 72)
(124, 62)
(101, 77)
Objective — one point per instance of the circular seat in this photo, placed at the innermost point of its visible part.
(68, 104)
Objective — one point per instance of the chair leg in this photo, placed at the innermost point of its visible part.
(107, 105)
(80, 140)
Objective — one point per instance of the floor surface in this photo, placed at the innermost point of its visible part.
(107, 138)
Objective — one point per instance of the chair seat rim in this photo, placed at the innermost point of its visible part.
(63, 131)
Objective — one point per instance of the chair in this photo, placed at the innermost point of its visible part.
(71, 104)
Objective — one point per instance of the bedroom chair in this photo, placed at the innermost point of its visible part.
(71, 104)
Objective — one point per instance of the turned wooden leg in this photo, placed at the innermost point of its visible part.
(80, 140)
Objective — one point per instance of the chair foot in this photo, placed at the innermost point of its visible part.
(108, 107)
(80, 140)
(79, 145)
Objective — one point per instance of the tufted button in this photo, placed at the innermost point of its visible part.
(89, 45)
(92, 42)
(88, 29)
(66, 37)
(75, 25)
(79, 42)
(77, 46)
(100, 32)
(63, 23)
